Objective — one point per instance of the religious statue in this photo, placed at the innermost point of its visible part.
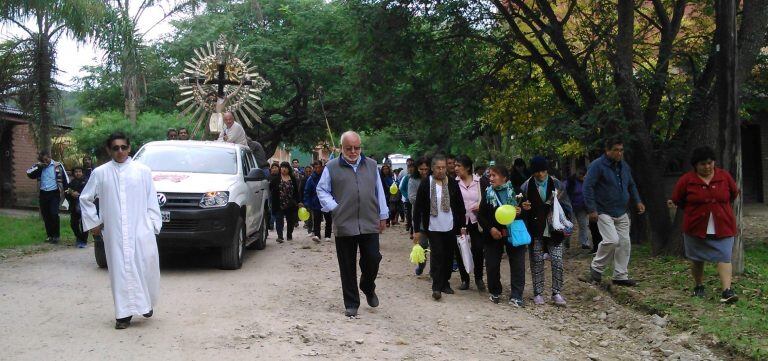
(219, 79)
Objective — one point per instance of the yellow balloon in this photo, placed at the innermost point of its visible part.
(393, 188)
(505, 214)
(303, 214)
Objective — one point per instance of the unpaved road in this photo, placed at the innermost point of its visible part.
(285, 303)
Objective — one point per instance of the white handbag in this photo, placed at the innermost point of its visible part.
(559, 221)
(465, 249)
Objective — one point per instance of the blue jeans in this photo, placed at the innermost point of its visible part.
(290, 217)
(582, 218)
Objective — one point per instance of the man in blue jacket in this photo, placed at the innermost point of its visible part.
(52, 180)
(608, 188)
(312, 202)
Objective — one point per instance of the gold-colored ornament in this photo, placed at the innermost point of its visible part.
(219, 79)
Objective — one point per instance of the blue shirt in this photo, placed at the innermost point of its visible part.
(326, 197)
(609, 186)
(48, 178)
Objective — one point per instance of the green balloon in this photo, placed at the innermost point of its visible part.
(303, 214)
(505, 214)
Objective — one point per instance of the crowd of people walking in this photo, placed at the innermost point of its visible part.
(440, 198)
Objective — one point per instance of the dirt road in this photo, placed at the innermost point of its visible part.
(285, 303)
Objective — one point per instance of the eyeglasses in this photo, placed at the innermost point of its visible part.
(117, 148)
(349, 149)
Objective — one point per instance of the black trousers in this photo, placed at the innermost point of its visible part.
(370, 257)
(515, 256)
(75, 221)
(317, 217)
(442, 245)
(478, 249)
(290, 216)
(408, 216)
(49, 210)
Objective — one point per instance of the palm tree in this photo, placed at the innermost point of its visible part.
(44, 22)
(123, 43)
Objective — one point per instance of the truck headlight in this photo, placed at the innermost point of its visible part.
(214, 199)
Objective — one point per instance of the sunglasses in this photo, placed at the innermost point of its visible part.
(117, 148)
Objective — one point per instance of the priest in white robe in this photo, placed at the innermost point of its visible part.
(128, 218)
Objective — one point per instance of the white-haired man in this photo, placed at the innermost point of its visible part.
(350, 188)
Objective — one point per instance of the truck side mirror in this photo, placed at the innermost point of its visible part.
(255, 175)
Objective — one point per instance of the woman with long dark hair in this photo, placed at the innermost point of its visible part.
(286, 199)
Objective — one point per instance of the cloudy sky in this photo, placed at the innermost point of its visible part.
(72, 56)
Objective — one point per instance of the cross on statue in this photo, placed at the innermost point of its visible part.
(226, 69)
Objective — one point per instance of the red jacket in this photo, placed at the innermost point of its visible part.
(699, 200)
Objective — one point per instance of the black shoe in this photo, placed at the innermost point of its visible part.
(55, 240)
(627, 283)
(698, 291)
(480, 285)
(372, 299)
(123, 323)
(584, 246)
(279, 239)
(728, 296)
(494, 298)
(350, 312)
(436, 295)
(464, 285)
(448, 290)
(148, 314)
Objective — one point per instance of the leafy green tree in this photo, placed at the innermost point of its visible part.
(90, 134)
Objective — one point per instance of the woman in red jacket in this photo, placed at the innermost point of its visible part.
(709, 225)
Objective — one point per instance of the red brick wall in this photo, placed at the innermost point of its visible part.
(24, 156)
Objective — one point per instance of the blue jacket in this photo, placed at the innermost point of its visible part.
(608, 187)
(404, 187)
(311, 201)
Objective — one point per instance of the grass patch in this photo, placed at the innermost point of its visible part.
(26, 231)
(666, 289)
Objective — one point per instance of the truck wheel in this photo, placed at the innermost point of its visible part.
(261, 236)
(232, 255)
(100, 254)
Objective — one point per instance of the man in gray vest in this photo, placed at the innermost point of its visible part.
(350, 188)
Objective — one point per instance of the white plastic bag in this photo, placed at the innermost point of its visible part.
(465, 249)
(559, 221)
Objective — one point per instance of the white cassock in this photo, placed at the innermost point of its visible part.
(131, 216)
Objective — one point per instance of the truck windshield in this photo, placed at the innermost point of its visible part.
(189, 159)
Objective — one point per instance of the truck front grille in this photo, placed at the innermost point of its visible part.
(183, 199)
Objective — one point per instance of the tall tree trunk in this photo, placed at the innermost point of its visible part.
(43, 78)
(648, 174)
(729, 124)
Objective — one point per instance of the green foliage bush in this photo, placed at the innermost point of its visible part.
(90, 136)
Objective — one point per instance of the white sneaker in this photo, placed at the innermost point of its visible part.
(315, 238)
(327, 239)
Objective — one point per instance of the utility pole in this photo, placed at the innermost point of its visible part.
(729, 124)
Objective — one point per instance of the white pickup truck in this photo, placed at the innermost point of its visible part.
(211, 195)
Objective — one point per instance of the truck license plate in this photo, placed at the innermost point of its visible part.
(166, 216)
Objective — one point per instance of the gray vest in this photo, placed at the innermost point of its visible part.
(358, 210)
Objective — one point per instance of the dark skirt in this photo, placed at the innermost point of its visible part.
(708, 249)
